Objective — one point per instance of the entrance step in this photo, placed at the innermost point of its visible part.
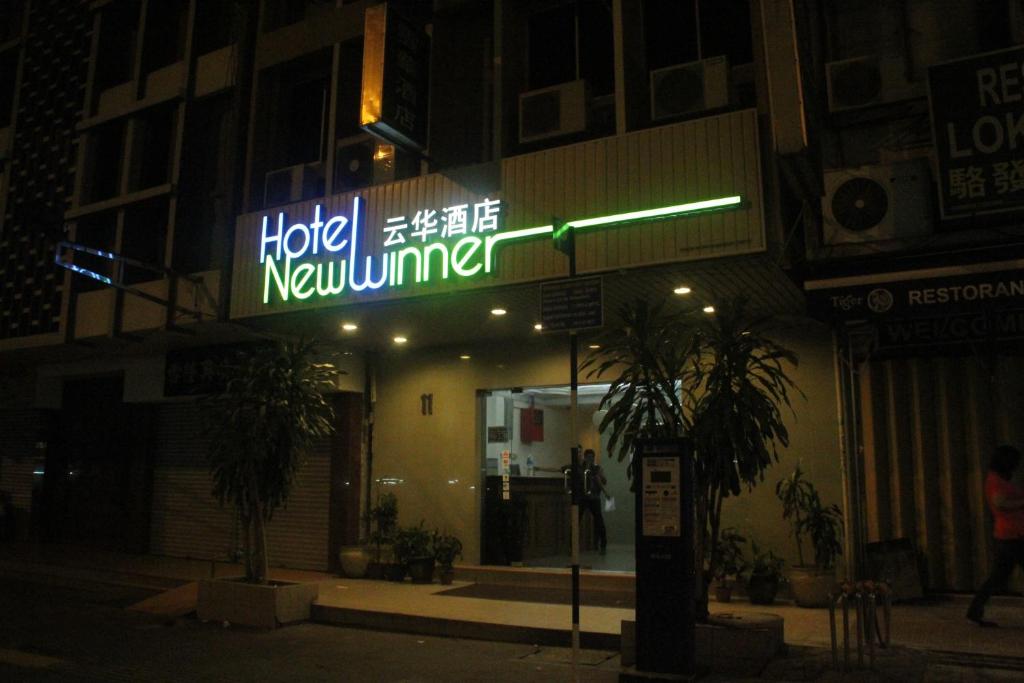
(543, 577)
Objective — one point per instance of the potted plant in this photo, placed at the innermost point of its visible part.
(764, 572)
(728, 563)
(413, 553)
(269, 416)
(822, 525)
(716, 378)
(446, 548)
(383, 518)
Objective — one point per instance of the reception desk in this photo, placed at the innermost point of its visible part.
(534, 523)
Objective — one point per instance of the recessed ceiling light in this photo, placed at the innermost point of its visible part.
(400, 340)
(682, 290)
(465, 356)
(498, 311)
(538, 326)
(349, 327)
(594, 346)
(709, 309)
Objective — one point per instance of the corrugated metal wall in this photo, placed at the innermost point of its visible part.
(929, 426)
(682, 162)
(187, 520)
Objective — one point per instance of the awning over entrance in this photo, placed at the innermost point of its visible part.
(464, 317)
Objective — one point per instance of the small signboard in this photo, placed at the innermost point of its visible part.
(199, 371)
(661, 507)
(506, 489)
(574, 304)
(396, 69)
(978, 128)
(497, 435)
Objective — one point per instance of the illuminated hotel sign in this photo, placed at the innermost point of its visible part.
(324, 257)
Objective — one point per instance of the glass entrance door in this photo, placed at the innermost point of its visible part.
(526, 511)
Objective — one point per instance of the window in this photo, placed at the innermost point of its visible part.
(570, 42)
(681, 31)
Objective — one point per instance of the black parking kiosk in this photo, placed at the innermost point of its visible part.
(665, 572)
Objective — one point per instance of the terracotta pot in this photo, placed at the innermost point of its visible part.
(355, 561)
(811, 585)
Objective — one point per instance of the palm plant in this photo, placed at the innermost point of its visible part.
(737, 422)
(261, 427)
(718, 379)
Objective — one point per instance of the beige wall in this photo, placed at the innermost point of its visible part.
(437, 458)
(814, 444)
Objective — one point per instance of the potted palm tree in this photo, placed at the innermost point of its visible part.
(822, 525)
(383, 518)
(718, 379)
(764, 574)
(261, 427)
(446, 548)
(728, 563)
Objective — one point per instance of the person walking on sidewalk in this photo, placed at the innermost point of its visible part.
(1006, 501)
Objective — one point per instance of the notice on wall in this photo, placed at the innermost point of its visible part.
(977, 107)
(506, 491)
(661, 504)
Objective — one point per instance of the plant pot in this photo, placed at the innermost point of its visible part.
(394, 571)
(446, 575)
(761, 589)
(421, 569)
(811, 585)
(355, 561)
(723, 593)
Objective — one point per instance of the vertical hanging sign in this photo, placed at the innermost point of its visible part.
(396, 71)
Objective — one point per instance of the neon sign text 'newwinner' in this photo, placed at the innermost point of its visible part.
(340, 266)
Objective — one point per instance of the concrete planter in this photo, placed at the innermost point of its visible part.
(263, 606)
(811, 585)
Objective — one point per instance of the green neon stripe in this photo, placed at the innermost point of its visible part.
(664, 211)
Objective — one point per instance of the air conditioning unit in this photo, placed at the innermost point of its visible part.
(293, 184)
(551, 112)
(689, 88)
(876, 203)
(866, 81)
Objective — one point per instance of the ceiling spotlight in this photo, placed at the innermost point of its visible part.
(594, 346)
(465, 356)
(400, 340)
(538, 327)
(709, 309)
(682, 290)
(498, 311)
(349, 327)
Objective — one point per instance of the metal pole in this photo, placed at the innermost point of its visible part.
(575, 507)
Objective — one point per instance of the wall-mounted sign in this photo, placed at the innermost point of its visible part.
(497, 434)
(396, 69)
(324, 256)
(977, 107)
(919, 294)
(574, 304)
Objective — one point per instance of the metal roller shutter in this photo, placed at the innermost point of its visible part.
(929, 426)
(189, 522)
(297, 535)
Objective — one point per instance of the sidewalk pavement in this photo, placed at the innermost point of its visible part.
(926, 636)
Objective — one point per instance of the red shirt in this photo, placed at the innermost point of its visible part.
(1009, 524)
